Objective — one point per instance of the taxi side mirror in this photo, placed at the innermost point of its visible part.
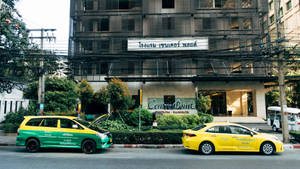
(74, 126)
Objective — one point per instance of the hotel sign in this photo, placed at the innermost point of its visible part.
(164, 44)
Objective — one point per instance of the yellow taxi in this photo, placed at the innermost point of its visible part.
(216, 137)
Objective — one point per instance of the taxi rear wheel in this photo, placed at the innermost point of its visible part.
(89, 147)
(206, 148)
(267, 148)
(32, 145)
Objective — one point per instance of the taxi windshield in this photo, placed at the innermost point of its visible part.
(82, 122)
(199, 127)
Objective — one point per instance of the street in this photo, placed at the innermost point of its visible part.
(122, 158)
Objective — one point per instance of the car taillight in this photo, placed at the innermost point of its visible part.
(189, 135)
(18, 131)
(298, 123)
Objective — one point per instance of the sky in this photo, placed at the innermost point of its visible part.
(47, 14)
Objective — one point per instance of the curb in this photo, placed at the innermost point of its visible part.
(146, 146)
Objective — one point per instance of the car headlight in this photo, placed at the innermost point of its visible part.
(102, 136)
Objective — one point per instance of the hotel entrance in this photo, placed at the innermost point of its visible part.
(230, 102)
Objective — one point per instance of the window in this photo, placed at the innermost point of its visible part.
(16, 106)
(5, 105)
(234, 23)
(124, 45)
(288, 5)
(169, 99)
(224, 4)
(199, 127)
(34, 122)
(103, 24)
(87, 45)
(219, 129)
(11, 105)
(207, 24)
(246, 3)
(128, 24)
(247, 24)
(88, 4)
(168, 23)
(104, 68)
(168, 4)
(239, 130)
(66, 123)
(103, 45)
(206, 3)
(281, 12)
(272, 19)
(49, 122)
(130, 67)
(271, 5)
(90, 26)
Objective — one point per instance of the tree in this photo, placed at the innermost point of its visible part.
(119, 94)
(86, 93)
(19, 59)
(60, 95)
(272, 98)
(203, 103)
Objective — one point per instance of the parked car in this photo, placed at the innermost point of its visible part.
(61, 132)
(216, 137)
(274, 118)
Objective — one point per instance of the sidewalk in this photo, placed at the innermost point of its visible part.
(10, 140)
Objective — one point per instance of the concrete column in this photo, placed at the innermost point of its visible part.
(259, 102)
(244, 103)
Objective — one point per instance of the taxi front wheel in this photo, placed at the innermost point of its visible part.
(206, 148)
(89, 147)
(267, 148)
(32, 145)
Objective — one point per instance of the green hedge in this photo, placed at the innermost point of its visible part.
(147, 137)
(296, 135)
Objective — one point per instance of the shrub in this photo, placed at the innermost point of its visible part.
(14, 119)
(61, 114)
(132, 119)
(182, 121)
(113, 125)
(147, 137)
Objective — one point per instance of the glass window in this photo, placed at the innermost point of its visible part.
(88, 4)
(104, 68)
(49, 122)
(234, 23)
(66, 123)
(34, 122)
(168, 4)
(281, 12)
(5, 106)
(199, 127)
(128, 24)
(272, 18)
(131, 67)
(246, 3)
(206, 3)
(239, 130)
(219, 129)
(103, 24)
(271, 5)
(207, 23)
(288, 5)
(224, 3)
(168, 23)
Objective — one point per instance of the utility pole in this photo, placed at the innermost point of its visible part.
(281, 71)
(41, 88)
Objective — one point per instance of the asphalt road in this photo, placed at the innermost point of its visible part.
(122, 158)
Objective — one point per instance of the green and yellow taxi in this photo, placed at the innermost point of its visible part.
(37, 132)
(216, 137)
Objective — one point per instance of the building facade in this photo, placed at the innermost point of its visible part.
(174, 50)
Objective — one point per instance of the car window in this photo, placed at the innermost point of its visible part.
(34, 122)
(66, 123)
(198, 127)
(239, 130)
(49, 122)
(219, 129)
